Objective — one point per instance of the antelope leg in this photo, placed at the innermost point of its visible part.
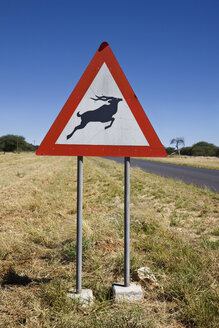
(108, 126)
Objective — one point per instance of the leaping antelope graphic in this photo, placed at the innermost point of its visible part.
(102, 114)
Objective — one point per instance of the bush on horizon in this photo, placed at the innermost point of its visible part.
(13, 143)
(201, 148)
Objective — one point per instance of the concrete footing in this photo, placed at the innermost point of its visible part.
(85, 297)
(133, 293)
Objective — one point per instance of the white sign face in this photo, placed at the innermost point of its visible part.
(103, 117)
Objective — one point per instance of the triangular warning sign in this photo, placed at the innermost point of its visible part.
(102, 116)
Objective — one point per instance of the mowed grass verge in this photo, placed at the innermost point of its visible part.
(196, 161)
(174, 231)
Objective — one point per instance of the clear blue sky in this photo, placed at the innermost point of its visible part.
(168, 49)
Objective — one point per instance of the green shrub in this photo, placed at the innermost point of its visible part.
(70, 250)
(204, 149)
(11, 143)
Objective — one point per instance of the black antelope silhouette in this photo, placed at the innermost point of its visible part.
(102, 114)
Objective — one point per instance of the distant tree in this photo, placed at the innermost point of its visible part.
(13, 143)
(170, 150)
(203, 148)
(177, 142)
(186, 151)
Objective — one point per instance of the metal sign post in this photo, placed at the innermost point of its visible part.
(83, 296)
(79, 224)
(129, 291)
(126, 221)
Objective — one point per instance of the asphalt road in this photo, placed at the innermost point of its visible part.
(200, 177)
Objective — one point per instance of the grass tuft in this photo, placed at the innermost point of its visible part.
(69, 252)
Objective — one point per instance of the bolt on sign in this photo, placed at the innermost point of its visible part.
(102, 117)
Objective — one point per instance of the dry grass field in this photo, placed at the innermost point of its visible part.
(197, 161)
(174, 231)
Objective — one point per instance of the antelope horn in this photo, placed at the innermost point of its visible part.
(104, 98)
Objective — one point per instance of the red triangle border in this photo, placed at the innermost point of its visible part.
(49, 146)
